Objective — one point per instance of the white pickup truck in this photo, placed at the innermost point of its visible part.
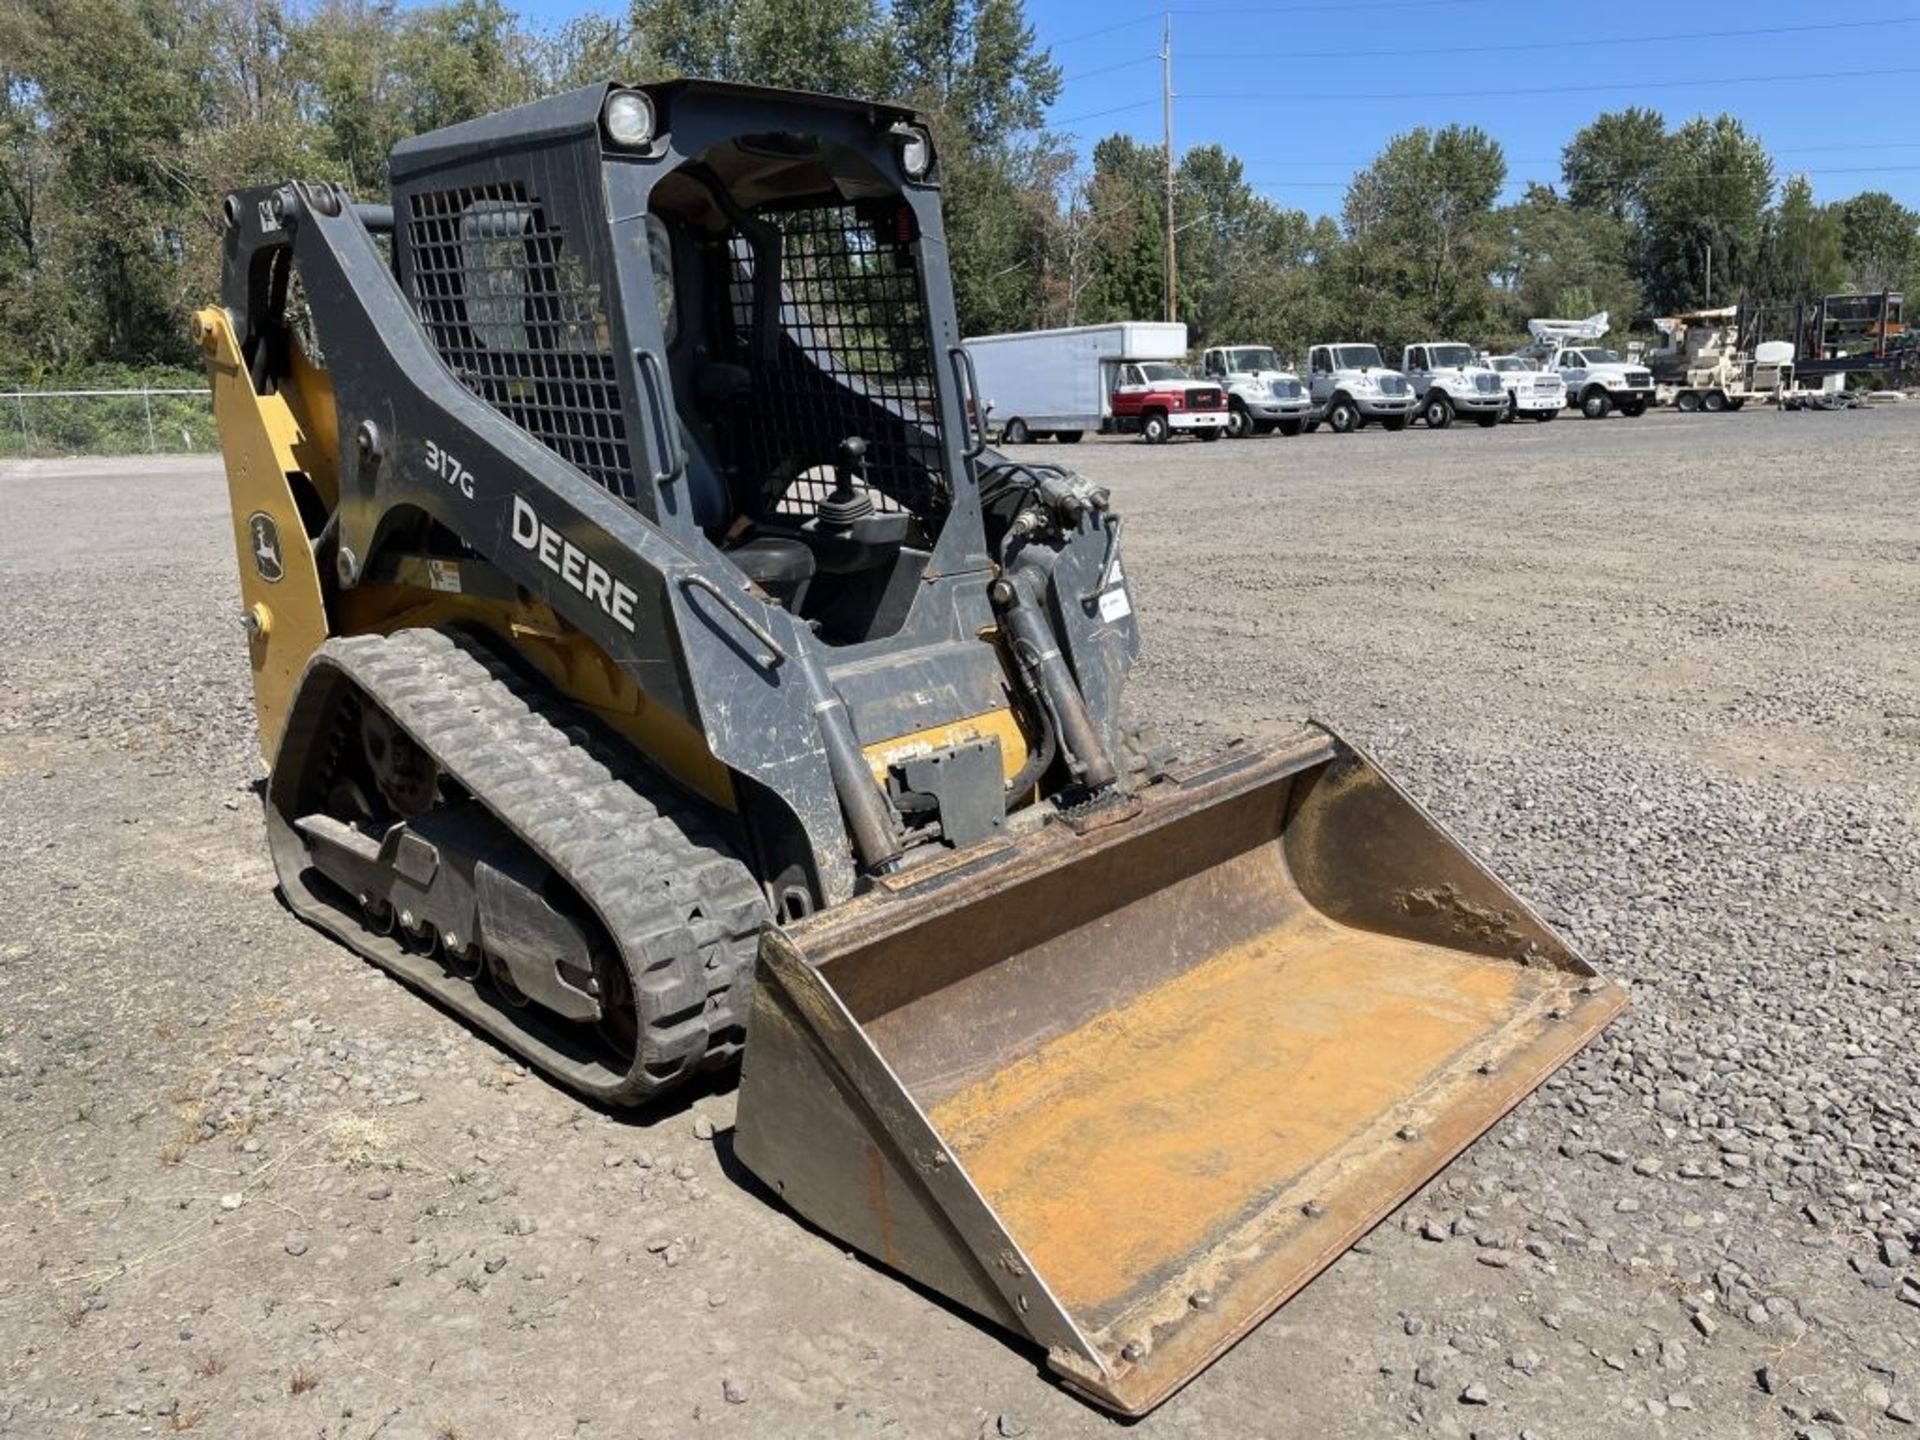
(1531, 392)
(1450, 380)
(1262, 394)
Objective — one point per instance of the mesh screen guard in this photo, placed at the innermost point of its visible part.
(518, 316)
(854, 356)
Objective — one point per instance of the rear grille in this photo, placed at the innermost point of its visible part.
(1487, 383)
(1394, 385)
(1203, 400)
(1286, 390)
(517, 317)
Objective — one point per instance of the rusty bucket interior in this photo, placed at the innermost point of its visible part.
(1125, 1088)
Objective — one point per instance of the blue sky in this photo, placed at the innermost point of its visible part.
(1307, 91)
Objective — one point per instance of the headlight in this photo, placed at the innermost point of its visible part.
(916, 151)
(629, 118)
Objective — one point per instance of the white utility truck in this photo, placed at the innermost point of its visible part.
(1352, 385)
(1449, 380)
(1263, 395)
(1060, 383)
(1598, 380)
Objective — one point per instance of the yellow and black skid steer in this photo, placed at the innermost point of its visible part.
(652, 662)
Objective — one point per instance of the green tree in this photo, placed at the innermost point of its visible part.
(120, 87)
(344, 54)
(840, 46)
(1610, 165)
(1563, 260)
(1422, 238)
(977, 63)
(1242, 257)
(455, 61)
(1806, 246)
(588, 49)
(1706, 208)
(1125, 201)
(1881, 241)
(43, 321)
(1002, 218)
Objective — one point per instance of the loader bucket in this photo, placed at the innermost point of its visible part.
(1126, 1084)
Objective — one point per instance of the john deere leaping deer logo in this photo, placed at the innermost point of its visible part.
(264, 539)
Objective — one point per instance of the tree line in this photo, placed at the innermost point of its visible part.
(124, 122)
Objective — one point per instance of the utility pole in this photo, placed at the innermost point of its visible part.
(1166, 117)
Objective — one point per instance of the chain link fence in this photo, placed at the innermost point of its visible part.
(155, 421)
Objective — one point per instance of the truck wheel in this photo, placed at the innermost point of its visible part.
(1154, 428)
(1344, 417)
(1634, 409)
(1733, 404)
(1293, 427)
(1068, 437)
(1016, 432)
(1510, 412)
(1595, 405)
(1210, 434)
(1487, 419)
(1687, 401)
(1263, 427)
(1437, 411)
(1714, 401)
(1239, 423)
(1545, 415)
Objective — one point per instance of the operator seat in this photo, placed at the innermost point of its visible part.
(704, 390)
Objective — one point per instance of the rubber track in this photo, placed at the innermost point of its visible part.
(658, 868)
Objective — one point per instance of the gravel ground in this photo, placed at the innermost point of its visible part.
(1670, 691)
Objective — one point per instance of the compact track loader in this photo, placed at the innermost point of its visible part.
(652, 661)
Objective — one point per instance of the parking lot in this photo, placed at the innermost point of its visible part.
(1661, 673)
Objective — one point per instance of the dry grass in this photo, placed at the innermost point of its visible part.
(302, 1380)
(447, 1430)
(360, 1141)
(182, 1420)
(210, 1365)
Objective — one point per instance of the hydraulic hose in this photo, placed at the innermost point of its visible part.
(1027, 623)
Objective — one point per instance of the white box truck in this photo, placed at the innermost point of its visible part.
(1061, 382)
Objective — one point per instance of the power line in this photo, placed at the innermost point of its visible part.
(1259, 162)
(1341, 96)
(1332, 6)
(1270, 186)
(1427, 50)
(1338, 6)
(1523, 183)
(1117, 25)
(1695, 84)
(1109, 69)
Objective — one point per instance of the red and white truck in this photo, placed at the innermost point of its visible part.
(1128, 377)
